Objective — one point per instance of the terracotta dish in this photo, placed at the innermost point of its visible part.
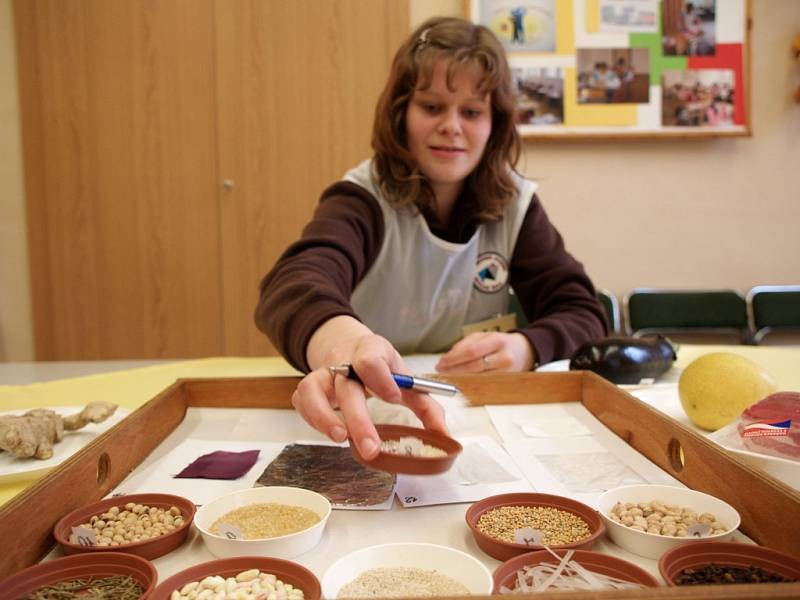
(411, 465)
(285, 570)
(151, 548)
(605, 564)
(502, 550)
(726, 554)
(80, 566)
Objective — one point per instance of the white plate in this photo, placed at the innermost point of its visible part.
(555, 366)
(17, 469)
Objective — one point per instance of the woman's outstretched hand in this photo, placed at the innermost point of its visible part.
(488, 351)
(344, 340)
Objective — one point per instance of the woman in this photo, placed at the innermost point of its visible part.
(422, 240)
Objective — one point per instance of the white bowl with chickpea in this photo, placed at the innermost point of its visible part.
(648, 520)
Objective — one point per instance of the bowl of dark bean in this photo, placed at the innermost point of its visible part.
(648, 520)
(720, 563)
(411, 450)
(112, 575)
(148, 525)
(241, 577)
(506, 525)
(568, 570)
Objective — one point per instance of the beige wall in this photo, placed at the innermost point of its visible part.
(670, 213)
(717, 213)
(16, 329)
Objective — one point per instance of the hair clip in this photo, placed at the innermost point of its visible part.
(422, 40)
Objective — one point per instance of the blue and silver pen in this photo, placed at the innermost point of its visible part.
(408, 382)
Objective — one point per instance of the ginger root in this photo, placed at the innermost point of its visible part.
(34, 433)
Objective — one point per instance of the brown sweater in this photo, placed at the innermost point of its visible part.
(313, 280)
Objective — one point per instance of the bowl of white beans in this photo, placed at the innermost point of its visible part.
(278, 521)
(241, 577)
(148, 525)
(648, 520)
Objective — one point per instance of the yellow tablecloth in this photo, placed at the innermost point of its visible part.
(134, 387)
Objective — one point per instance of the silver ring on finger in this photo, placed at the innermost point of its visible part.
(486, 364)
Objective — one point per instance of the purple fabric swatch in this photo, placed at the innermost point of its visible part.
(220, 465)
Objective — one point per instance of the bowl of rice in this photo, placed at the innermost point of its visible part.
(277, 521)
(411, 450)
(406, 570)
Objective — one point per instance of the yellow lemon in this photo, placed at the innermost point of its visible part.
(715, 388)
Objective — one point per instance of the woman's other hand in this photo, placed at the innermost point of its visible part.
(488, 351)
(345, 340)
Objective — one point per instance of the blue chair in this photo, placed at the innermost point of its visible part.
(773, 308)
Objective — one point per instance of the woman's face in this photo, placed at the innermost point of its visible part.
(447, 130)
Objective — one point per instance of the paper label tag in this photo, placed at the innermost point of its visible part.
(528, 536)
(500, 323)
(230, 531)
(83, 537)
(698, 530)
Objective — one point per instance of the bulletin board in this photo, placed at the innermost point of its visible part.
(625, 68)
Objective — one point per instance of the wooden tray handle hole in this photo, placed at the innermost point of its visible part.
(103, 464)
(676, 456)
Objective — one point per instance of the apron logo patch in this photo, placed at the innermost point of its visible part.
(491, 272)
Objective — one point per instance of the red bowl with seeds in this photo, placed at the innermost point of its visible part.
(113, 567)
(731, 557)
(407, 459)
(286, 571)
(506, 525)
(146, 548)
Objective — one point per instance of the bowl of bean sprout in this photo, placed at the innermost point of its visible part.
(568, 570)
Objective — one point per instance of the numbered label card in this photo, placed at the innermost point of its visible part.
(230, 531)
(528, 536)
(83, 536)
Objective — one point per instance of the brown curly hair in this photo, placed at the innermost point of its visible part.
(462, 43)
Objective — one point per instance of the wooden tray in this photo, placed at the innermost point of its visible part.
(770, 510)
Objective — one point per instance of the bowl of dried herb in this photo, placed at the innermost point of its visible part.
(116, 574)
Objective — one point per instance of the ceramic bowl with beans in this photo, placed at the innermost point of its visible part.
(148, 525)
(648, 520)
(711, 563)
(233, 578)
(278, 521)
(506, 525)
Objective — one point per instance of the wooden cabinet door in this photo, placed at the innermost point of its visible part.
(297, 86)
(135, 114)
(119, 128)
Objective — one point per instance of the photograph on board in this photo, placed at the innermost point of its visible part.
(538, 94)
(689, 27)
(629, 16)
(613, 75)
(697, 97)
(524, 26)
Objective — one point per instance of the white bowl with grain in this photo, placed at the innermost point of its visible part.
(426, 561)
(262, 511)
(653, 545)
